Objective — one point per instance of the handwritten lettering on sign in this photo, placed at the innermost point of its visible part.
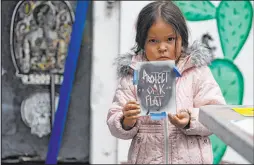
(156, 89)
(156, 86)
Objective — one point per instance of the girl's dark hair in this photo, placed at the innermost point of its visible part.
(169, 12)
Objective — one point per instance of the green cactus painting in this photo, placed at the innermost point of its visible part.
(230, 80)
(234, 21)
(198, 10)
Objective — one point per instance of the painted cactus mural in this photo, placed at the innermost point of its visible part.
(234, 21)
(198, 10)
(230, 80)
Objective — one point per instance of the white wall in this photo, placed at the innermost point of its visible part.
(244, 61)
(105, 49)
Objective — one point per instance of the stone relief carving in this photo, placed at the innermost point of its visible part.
(35, 112)
(40, 35)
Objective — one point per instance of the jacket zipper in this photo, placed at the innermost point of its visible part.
(166, 140)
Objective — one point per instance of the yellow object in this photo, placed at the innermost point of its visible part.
(27, 8)
(246, 111)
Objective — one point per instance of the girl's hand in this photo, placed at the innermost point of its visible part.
(181, 119)
(131, 113)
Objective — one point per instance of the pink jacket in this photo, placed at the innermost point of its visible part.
(196, 87)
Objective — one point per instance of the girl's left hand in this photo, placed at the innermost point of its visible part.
(180, 120)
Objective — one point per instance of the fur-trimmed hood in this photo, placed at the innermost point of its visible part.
(196, 55)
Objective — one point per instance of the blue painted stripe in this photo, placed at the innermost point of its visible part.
(66, 88)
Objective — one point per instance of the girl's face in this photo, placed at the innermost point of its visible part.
(161, 43)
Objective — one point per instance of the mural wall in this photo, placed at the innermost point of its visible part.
(35, 38)
(234, 21)
(39, 38)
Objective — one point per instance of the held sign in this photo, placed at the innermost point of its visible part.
(156, 87)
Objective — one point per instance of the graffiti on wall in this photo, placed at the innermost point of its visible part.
(25, 105)
(40, 34)
(39, 38)
(234, 21)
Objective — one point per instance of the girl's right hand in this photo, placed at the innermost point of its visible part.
(131, 113)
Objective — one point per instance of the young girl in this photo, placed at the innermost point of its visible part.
(162, 34)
